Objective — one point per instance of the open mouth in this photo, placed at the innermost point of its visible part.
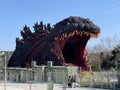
(70, 48)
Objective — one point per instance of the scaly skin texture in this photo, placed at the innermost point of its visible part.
(64, 43)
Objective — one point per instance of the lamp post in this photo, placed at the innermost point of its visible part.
(49, 75)
(117, 63)
(5, 73)
(5, 79)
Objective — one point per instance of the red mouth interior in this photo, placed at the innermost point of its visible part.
(72, 51)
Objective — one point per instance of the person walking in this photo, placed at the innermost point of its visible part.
(69, 82)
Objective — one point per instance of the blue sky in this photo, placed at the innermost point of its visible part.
(14, 14)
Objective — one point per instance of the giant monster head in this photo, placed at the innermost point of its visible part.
(64, 43)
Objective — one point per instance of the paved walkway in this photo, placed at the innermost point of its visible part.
(38, 86)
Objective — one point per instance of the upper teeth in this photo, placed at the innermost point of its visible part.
(76, 32)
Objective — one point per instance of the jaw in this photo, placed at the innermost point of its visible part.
(70, 48)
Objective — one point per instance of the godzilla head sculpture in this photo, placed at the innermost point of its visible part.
(64, 43)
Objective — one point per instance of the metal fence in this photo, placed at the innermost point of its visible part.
(101, 79)
(98, 79)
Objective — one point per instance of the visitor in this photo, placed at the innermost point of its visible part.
(69, 82)
(73, 80)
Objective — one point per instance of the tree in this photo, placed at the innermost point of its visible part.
(105, 44)
(108, 62)
(101, 54)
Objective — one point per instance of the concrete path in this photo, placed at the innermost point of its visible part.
(38, 86)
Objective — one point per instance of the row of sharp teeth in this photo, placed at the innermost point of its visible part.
(57, 54)
(76, 32)
(60, 57)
